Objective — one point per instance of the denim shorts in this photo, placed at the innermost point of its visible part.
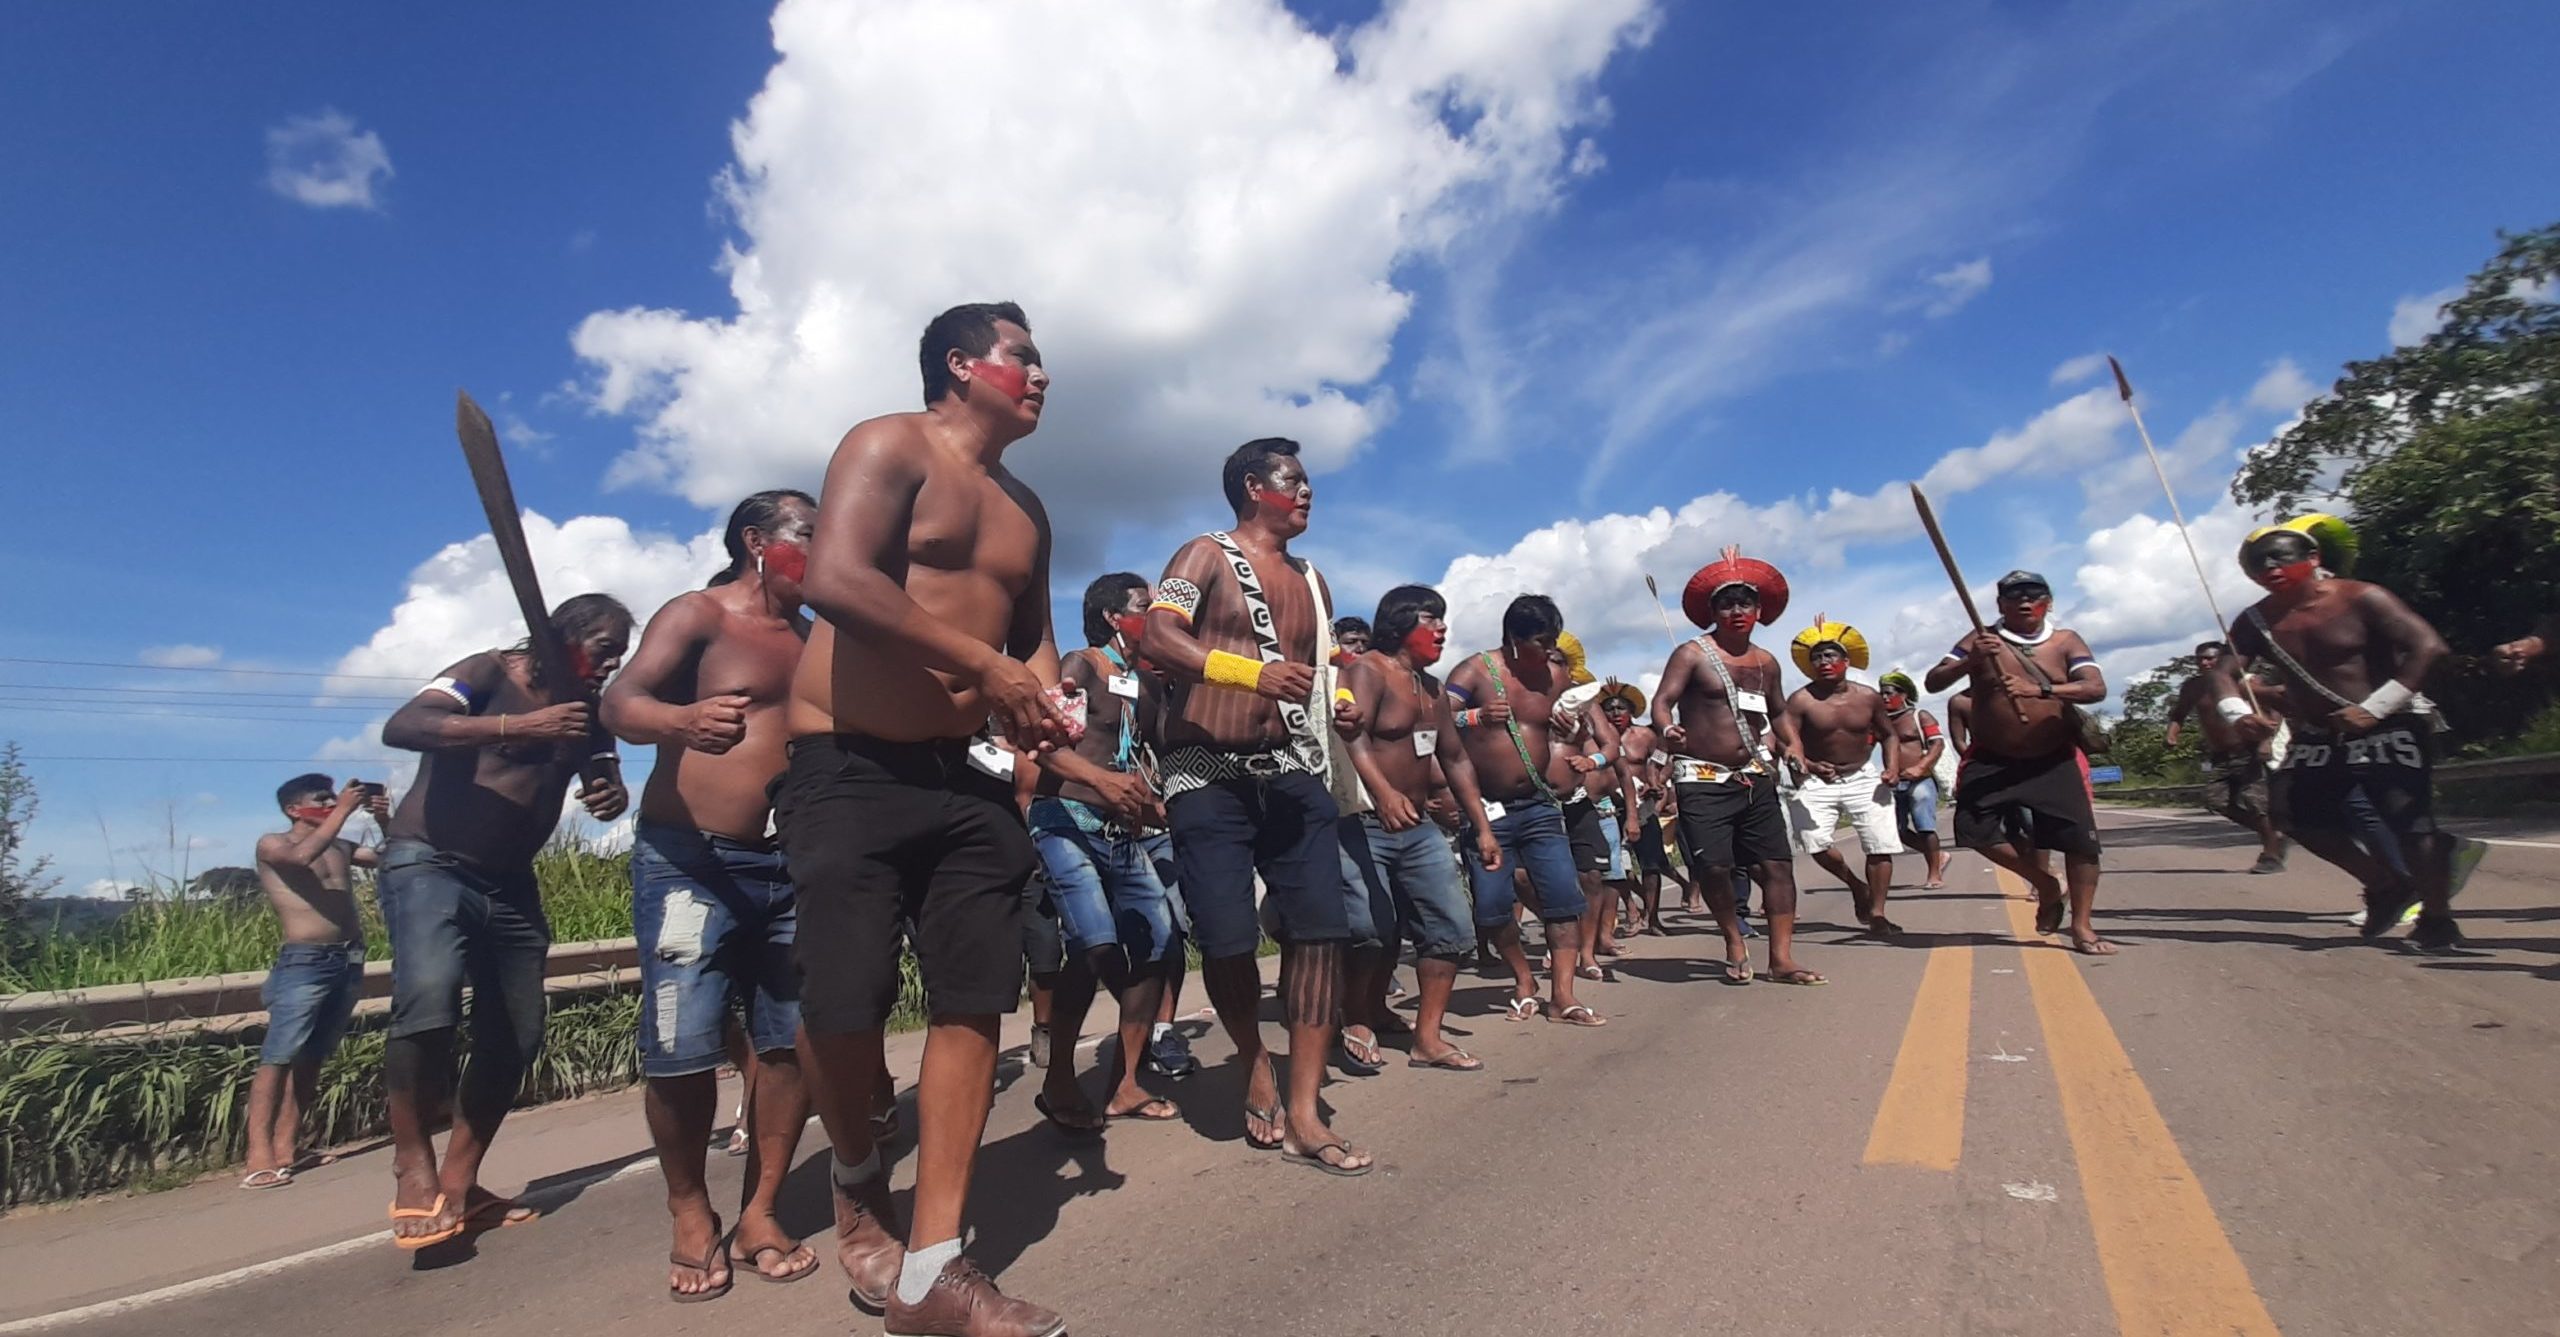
(1103, 881)
(715, 918)
(452, 920)
(1420, 876)
(1281, 827)
(1532, 836)
(309, 995)
(1916, 804)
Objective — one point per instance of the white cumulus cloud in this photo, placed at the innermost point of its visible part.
(1958, 285)
(1202, 208)
(181, 656)
(2079, 369)
(322, 160)
(2414, 318)
(2284, 389)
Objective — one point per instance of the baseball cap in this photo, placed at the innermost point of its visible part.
(2023, 580)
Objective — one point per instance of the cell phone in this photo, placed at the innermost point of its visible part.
(371, 790)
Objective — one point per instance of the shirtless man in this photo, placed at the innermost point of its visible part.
(2021, 787)
(2235, 767)
(1245, 786)
(711, 903)
(1094, 812)
(1648, 772)
(1350, 639)
(1713, 708)
(1584, 768)
(460, 902)
(311, 989)
(1836, 724)
(1915, 785)
(1408, 726)
(2351, 657)
(929, 572)
(1506, 696)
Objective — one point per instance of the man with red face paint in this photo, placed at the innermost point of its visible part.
(929, 572)
(1246, 773)
(461, 904)
(311, 989)
(1836, 724)
(2351, 657)
(1714, 709)
(711, 902)
(2021, 787)
(1408, 726)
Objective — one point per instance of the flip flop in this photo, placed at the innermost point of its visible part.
(756, 1256)
(1317, 1159)
(1738, 972)
(719, 1249)
(1140, 1114)
(2048, 916)
(1049, 1112)
(267, 1178)
(1359, 1057)
(510, 1213)
(1522, 1009)
(1588, 972)
(1799, 975)
(2093, 945)
(1456, 1060)
(429, 1212)
(1579, 1015)
(1271, 1117)
(884, 1125)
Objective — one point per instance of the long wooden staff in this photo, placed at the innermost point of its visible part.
(2124, 391)
(1964, 593)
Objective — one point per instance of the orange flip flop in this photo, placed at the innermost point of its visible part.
(426, 1213)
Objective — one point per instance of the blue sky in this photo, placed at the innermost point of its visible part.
(1518, 277)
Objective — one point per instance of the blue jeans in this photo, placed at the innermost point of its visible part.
(716, 919)
(1916, 803)
(1415, 870)
(1105, 884)
(1280, 826)
(1531, 834)
(451, 920)
(1366, 902)
(309, 995)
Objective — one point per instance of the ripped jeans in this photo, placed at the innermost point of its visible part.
(715, 919)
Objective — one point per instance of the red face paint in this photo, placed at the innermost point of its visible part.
(1738, 621)
(1131, 625)
(582, 665)
(1424, 644)
(1287, 501)
(312, 813)
(787, 560)
(1006, 378)
(1831, 670)
(2289, 576)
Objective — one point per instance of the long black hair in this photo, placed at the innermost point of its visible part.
(1400, 610)
(759, 512)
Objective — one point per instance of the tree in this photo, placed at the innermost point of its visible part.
(2500, 345)
(2140, 743)
(21, 879)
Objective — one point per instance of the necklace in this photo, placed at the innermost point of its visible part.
(2039, 638)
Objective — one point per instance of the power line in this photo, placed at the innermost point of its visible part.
(241, 759)
(207, 668)
(192, 691)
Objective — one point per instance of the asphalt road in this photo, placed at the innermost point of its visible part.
(2246, 1122)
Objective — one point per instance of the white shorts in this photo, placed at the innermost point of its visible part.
(1815, 808)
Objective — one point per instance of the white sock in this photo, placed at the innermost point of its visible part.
(1163, 1029)
(923, 1268)
(849, 1175)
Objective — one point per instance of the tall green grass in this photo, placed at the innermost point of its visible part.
(168, 934)
(81, 1117)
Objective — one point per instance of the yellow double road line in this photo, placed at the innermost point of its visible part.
(1921, 1119)
(2169, 1267)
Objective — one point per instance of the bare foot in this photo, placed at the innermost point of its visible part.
(2092, 945)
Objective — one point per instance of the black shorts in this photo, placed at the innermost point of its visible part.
(2393, 767)
(879, 832)
(1583, 828)
(2042, 802)
(1281, 826)
(2235, 786)
(1651, 855)
(1737, 823)
(1044, 935)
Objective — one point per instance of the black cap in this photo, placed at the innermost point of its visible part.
(2020, 579)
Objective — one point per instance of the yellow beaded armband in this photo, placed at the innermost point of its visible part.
(1232, 671)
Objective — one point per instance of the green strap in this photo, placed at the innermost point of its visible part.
(1537, 776)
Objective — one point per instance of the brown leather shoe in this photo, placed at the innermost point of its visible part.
(869, 1241)
(963, 1303)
